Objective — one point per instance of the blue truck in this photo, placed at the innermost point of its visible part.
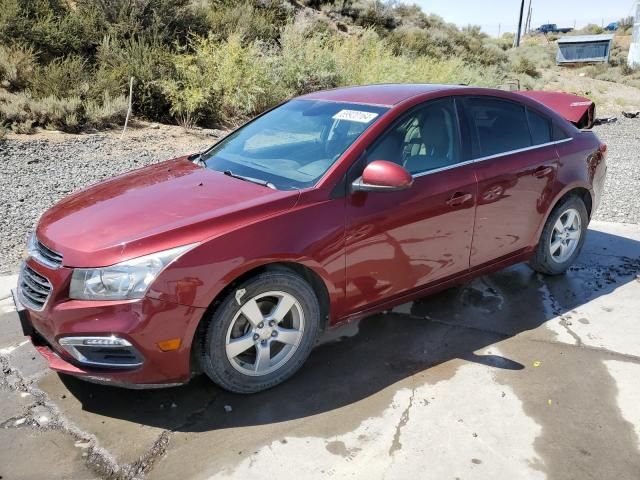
(553, 28)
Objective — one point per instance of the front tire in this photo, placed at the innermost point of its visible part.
(562, 237)
(261, 333)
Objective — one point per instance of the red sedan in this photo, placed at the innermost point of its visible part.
(325, 209)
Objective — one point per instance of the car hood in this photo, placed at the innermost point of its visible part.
(154, 208)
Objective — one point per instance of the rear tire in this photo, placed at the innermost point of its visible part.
(261, 333)
(562, 237)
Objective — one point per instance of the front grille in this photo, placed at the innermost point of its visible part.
(34, 288)
(45, 255)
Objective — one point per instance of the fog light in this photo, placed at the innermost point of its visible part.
(171, 344)
(108, 352)
(106, 341)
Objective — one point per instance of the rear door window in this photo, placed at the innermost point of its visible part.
(501, 126)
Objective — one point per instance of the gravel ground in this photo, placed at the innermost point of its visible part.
(39, 170)
(621, 201)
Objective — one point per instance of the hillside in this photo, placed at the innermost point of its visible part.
(66, 65)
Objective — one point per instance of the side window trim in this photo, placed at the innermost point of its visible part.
(491, 157)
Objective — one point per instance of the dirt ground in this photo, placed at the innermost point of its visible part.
(514, 375)
(611, 98)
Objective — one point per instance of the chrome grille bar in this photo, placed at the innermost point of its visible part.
(44, 254)
(34, 289)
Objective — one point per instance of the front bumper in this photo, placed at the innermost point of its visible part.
(143, 323)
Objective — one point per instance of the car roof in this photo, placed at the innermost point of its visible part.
(384, 94)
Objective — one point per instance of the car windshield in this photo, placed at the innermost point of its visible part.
(292, 146)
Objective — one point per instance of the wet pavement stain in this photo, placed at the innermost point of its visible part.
(337, 448)
(358, 377)
(404, 419)
(559, 396)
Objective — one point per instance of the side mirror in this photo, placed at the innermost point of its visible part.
(382, 176)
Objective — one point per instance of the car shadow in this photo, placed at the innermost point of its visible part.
(386, 348)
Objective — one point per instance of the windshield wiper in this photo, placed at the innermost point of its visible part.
(229, 173)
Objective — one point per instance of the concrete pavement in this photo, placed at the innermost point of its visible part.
(514, 375)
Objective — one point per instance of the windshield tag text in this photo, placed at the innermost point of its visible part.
(355, 116)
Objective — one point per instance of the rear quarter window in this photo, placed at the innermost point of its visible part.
(541, 128)
(559, 133)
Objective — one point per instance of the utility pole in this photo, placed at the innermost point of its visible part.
(520, 24)
(527, 22)
(634, 49)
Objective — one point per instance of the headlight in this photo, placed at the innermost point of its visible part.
(126, 280)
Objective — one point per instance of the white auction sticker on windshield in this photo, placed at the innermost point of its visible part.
(355, 116)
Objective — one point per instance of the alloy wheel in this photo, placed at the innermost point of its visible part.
(565, 235)
(265, 333)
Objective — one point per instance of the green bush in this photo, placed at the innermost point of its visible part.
(369, 59)
(305, 62)
(14, 107)
(25, 127)
(530, 57)
(250, 19)
(590, 29)
(24, 113)
(220, 82)
(58, 28)
(168, 21)
(63, 77)
(51, 27)
(106, 112)
(56, 113)
(17, 64)
(148, 62)
(526, 66)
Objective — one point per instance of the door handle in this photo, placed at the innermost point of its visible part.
(459, 198)
(542, 171)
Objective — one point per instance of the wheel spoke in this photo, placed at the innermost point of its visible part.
(555, 246)
(238, 345)
(563, 250)
(252, 312)
(263, 357)
(288, 335)
(574, 234)
(558, 226)
(282, 308)
(571, 217)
